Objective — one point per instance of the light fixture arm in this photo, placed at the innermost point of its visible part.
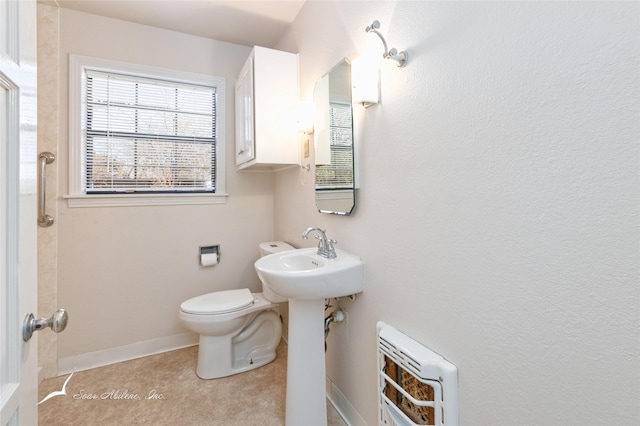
(400, 58)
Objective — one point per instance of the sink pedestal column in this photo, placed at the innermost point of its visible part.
(306, 395)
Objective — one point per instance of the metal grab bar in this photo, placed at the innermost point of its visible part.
(44, 219)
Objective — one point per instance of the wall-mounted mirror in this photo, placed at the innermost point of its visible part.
(333, 135)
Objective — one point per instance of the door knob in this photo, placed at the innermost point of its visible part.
(57, 323)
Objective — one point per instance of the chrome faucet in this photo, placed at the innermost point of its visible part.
(325, 246)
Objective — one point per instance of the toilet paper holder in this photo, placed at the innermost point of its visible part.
(206, 251)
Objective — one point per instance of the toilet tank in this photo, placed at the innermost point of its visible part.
(267, 248)
(271, 247)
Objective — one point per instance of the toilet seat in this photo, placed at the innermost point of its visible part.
(219, 302)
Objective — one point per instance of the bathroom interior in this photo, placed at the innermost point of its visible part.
(496, 203)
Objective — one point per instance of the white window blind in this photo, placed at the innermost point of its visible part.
(145, 135)
(338, 174)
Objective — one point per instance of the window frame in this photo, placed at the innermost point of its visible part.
(77, 196)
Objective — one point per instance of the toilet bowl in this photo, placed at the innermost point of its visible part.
(239, 330)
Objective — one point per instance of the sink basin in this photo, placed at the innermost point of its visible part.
(303, 274)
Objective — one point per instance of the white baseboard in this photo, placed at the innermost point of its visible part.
(125, 353)
(343, 406)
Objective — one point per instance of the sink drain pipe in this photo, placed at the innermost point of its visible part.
(336, 316)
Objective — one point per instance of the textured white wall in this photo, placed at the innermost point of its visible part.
(498, 211)
(123, 271)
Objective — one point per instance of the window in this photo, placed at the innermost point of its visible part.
(338, 174)
(142, 135)
(148, 135)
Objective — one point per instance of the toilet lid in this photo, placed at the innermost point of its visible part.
(219, 302)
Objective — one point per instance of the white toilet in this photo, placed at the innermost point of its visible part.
(239, 330)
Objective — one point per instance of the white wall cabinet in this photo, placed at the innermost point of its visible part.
(266, 95)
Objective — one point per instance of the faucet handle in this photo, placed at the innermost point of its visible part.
(331, 251)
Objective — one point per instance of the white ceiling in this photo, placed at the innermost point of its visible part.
(246, 22)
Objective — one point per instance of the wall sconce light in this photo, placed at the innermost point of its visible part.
(400, 58)
(365, 80)
(305, 115)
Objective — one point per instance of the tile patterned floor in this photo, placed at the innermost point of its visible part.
(163, 389)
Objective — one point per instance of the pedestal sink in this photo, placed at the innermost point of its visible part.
(307, 278)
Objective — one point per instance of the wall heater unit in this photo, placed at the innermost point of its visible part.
(416, 386)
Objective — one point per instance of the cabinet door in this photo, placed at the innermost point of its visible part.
(245, 137)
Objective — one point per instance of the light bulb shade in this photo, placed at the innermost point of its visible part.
(365, 80)
(306, 114)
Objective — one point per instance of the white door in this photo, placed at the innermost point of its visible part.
(18, 211)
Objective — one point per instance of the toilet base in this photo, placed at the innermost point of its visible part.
(254, 346)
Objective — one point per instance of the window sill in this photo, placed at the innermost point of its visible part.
(132, 200)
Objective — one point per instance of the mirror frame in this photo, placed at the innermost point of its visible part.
(337, 201)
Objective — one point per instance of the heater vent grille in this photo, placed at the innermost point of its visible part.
(402, 358)
(416, 386)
